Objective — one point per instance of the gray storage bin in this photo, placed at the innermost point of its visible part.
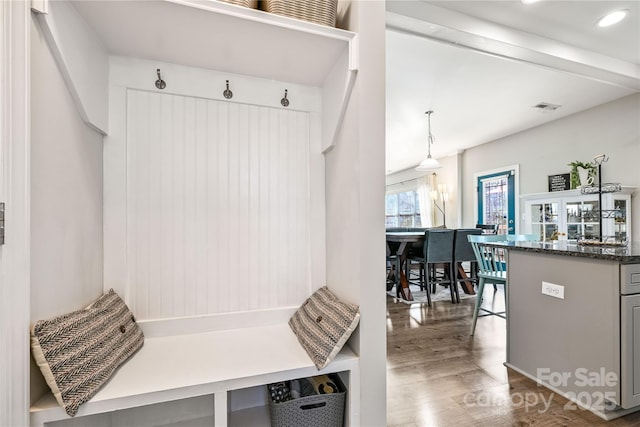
(321, 410)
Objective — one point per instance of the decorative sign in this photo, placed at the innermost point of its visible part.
(560, 182)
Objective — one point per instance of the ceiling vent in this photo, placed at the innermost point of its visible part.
(546, 107)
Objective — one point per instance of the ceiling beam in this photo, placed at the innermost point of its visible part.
(426, 20)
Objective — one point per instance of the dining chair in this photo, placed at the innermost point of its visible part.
(463, 253)
(415, 251)
(437, 251)
(491, 269)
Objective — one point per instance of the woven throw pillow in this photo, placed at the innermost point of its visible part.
(79, 351)
(323, 324)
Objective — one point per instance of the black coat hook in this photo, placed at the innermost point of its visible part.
(284, 101)
(160, 84)
(227, 93)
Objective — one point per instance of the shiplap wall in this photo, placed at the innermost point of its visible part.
(217, 205)
(214, 209)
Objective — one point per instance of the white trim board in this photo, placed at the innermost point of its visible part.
(15, 19)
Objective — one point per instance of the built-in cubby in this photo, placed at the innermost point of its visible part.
(194, 411)
(215, 211)
(231, 366)
(246, 407)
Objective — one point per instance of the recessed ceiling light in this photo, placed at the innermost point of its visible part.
(612, 18)
(529, 1)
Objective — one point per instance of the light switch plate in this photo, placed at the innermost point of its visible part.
(553, 290)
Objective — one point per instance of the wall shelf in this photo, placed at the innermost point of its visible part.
(604, 188)
(204, 34)
(219, 36)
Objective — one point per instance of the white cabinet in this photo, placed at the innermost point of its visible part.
(570, 215)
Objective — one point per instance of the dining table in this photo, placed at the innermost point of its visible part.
(406, 240)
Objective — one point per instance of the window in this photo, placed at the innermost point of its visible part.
(403, 209)
(495, 200)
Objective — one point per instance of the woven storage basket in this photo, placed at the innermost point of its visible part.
(317, 11)
(321, 410)
(251, 4)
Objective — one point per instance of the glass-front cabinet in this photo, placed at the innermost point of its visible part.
(582, 219)
(570, 215)
(544, 219)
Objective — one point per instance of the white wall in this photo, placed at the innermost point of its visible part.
(66, 197)
(612, 129)
(355, 207)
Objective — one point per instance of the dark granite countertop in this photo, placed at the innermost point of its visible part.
(629, 254)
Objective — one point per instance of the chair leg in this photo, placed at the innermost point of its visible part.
(398, 270)
(433, 278)
(407, 269)
(391, 276)
(427, 282)
(478, 303)
(454, 281)
(451, 284)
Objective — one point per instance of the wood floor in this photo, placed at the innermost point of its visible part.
(438, 375)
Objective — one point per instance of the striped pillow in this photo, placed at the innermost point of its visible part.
(79, 351)
(323, 324)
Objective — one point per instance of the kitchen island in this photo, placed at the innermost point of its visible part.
(573, 322)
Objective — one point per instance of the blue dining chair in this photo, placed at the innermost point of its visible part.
(463, 253)
(491, 269)
(437, 251)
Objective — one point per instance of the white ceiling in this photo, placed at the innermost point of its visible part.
(481, 66)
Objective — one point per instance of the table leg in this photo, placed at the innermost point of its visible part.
(466, 281)
(402, 286)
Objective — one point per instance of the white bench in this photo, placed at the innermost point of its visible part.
(169, 368)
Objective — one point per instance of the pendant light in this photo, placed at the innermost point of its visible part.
(429, 163)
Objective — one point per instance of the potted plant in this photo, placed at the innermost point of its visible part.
(582, 173)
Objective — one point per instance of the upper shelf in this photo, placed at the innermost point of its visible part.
(611, 187)
(218, 36)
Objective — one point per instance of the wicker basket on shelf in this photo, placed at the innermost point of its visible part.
(251, 4)
(317, 11)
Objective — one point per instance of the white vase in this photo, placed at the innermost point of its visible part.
(585, 179)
